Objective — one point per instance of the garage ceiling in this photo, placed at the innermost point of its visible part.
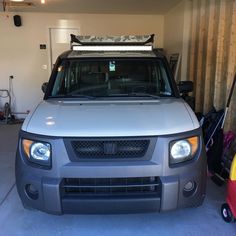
(99, 6)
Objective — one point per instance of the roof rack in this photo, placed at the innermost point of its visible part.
(112, 40)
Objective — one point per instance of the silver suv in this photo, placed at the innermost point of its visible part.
(112, 134)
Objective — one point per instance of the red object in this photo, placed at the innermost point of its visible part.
(231, 196)
(228, 210)
(229, 137)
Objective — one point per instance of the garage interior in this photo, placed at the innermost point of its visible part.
(202, 32)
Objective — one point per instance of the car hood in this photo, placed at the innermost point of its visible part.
(68, 118)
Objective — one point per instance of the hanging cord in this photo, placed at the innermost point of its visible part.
(11, 91)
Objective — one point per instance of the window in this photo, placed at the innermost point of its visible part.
(111, 77)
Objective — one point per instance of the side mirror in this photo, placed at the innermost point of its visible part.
(185, 86)
(44, 87)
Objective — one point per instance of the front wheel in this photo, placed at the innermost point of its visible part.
(226, 213)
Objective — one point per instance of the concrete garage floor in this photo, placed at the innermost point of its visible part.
(15, 220)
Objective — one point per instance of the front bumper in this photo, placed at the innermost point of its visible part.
(48, 183)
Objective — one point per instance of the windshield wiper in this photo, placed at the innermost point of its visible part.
(73, 96)
(143, 95)
(134, 95)
(82, 96)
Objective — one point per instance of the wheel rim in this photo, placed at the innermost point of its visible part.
(225, 213)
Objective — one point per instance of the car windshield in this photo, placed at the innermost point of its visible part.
(111, 78)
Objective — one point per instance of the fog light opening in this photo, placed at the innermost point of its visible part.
(31, 191)
(189, 188)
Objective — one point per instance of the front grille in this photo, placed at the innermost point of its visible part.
(105, 149)
(111, 187)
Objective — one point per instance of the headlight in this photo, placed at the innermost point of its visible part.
(37, 152)
(183, 150)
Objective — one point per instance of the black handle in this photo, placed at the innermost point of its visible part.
(231, 91)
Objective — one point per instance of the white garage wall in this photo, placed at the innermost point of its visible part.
(21, 57)
(177, 32)
(173, 29)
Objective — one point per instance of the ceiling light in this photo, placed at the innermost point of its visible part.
(42, 1)
(17, 0)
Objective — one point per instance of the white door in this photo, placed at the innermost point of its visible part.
(59, 41)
